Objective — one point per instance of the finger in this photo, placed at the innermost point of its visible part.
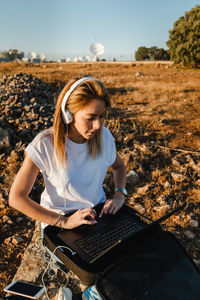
(115, 210)
(111, 210)
(107, 208)
(104, 209)
(87, 222)
(88, 215)
(101, 213)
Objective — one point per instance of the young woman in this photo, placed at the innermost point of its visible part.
(73, 156)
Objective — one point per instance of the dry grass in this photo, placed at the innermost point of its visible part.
(162, 96)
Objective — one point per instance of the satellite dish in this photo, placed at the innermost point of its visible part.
(75, 59)
(96, 49)
(86, 58)
(32, 55)
(41, 56)
(68, 59)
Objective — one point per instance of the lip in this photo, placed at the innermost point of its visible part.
(92, 133)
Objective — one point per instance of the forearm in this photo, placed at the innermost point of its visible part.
(30, 208)
(119, 176)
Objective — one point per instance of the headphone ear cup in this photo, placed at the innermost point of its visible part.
(67, 117)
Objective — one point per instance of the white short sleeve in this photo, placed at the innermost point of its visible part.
(109, 148)
(38, 153)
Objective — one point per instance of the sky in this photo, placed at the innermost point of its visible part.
(67, 28)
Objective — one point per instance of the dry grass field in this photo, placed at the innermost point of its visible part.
(155, 119)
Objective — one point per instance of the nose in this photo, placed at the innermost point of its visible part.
(97, 124)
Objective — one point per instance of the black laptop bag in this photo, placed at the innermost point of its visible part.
(161, 271)
(151, 266)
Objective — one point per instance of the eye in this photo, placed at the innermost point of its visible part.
(91, 119)
(103, 115)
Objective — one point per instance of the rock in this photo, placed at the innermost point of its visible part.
(139, 208)
(8, 240)
(166, 184)
(132, 178)
(191, 162)
(178, 177)
(4, 141)
(3, 202)
(20, 94)
(194, 223)
(5, 228)
(142, 190)
(7, 220)
(189, 234)
(19, 219)
(17, 239)
(139, 74)
(161, 200)
(175, 163)
(161, 209)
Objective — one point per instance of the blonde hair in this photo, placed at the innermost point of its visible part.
(81, 96)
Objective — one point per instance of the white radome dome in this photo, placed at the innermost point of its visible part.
(32, 55)
(97, 49)
(86, 58)
(41, 56)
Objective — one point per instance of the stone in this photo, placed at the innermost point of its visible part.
(17, 239)
(166, 184)
(178, 177)
(190, 234)
(162, 208)
(194, 223)
(139, 74)
(139, 208)
(7, 220)
(142, 190)
(161, 200)
(175, 163)
(4, 141)
(132, 177)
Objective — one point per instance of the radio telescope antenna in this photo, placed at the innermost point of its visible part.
(97, 49)
(42, 57)
(32, 55)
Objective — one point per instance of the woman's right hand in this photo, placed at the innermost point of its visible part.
(80, 217)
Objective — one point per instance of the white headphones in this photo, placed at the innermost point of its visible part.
(66, 114)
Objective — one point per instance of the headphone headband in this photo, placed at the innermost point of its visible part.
(71, 89)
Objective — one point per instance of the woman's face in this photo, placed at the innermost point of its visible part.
(87, 121)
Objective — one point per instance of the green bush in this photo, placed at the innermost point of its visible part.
(184, 39)
(152, 53)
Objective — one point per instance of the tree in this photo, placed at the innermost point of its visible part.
(184, 39)
(152, 53)
(142, 53)
(13, 54)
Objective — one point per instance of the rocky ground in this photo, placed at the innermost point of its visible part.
(155, 121)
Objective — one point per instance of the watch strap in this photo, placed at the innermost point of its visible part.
(122, 190)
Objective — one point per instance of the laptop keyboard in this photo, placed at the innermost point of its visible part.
(96, 243)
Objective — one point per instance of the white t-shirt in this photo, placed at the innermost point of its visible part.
(79, 185)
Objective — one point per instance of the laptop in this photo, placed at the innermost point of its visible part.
(91, 242)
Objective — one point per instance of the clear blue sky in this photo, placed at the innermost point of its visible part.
(66, 28)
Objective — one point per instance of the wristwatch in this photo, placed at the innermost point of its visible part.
(122, 190)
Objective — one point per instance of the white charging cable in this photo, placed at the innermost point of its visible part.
(48, 265)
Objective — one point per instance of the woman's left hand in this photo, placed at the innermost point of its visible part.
(111, 206)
